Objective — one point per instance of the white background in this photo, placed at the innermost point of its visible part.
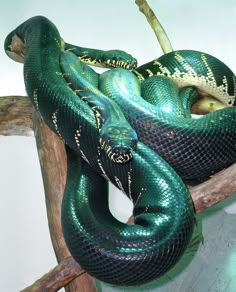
(208, 26)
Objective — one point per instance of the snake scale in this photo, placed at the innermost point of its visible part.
(164, 215)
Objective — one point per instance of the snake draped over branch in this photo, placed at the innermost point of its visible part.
(115, 132)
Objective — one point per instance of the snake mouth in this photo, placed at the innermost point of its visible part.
(118, 154)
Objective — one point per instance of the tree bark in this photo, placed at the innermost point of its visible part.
(156, 26)
(53, 163)
(15, 116)
(67, 271)
(219, 187)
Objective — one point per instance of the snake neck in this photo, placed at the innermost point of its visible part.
(43, 37)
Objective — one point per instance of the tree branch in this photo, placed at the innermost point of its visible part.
(155, 25)
(61, 275)
(53, 163)
(15, 116)
(219, 187)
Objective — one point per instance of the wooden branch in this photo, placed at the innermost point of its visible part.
(155, 25)
(15, 116)
(219, 187)
(53, 163)
(57, 278)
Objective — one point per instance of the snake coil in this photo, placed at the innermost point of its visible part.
(163, 210)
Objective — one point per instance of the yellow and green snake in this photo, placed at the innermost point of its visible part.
(113, 134)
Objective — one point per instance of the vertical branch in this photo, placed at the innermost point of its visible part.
(15, 116)
(155, 25)
(53, 162)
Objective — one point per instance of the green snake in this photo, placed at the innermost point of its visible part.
(163, 210)
(190, 146)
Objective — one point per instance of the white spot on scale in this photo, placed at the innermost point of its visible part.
(55, 122)
(129, 185)
(35, 99)
(77, 137)
(84, 156)
(119, 184)
(77, 141)
(100, 165)
(143, 189)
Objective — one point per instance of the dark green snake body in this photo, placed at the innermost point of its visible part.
(117, 138)
(169, 98)
(163, 211)
(193, 147)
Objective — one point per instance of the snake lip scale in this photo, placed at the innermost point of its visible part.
(163, 211)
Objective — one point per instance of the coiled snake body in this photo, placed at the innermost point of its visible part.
(163, 211)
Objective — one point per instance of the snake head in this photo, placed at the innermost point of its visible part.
(118, 141)
(118, 59)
